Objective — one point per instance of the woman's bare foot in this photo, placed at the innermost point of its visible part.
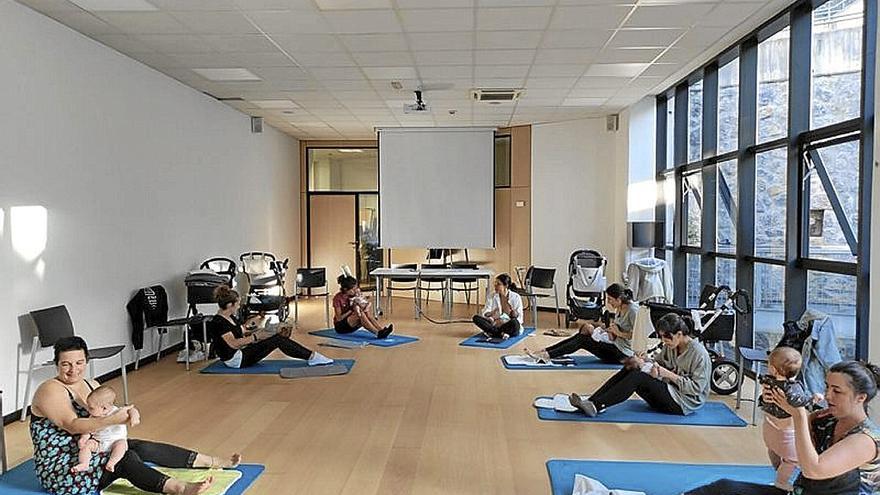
(233, 461)
(540, 356)
(198, 487)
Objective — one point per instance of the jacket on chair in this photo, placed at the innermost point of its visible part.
(148, 308)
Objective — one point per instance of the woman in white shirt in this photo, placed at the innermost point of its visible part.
(502, 316)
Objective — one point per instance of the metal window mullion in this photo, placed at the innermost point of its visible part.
(660, 164)
(680, 140)
(834, 199)
(745, 226)
(798, 123)
(709, 220)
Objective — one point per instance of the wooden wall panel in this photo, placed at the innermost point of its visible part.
(521, 156)
(520, 227)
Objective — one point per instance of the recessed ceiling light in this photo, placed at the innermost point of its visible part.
(275, 104)
(115, 5)
(235, 74)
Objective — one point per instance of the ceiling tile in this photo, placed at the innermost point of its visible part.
(446, 71)
(513, 18)
(289, 22)
(660, 70)
(216, 22)
(494, 82)
(508, 39)
(175, 43)
(627, 55)
(501, 71)
(441, 41)
(556, 70)
(645, 37)
(420, 21)
(309, 43)
(302, 5)
(702, 37)
(194, 5)
(448, 57)
(681, 16)
(550, 82)
(577, 38)
(144, 22)
(253, 43)
(402, 72)
(516, 3)
(367, 21)
(567, 55)
(590, 82)
(352, 4)
(123, 43)
(730, 14)
(432, 4)
(343, 73)
(383, 58)
(584, 102)
(604, 17)
(374, 42)
(504, 57)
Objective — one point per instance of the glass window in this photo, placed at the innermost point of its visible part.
(694, 286)
(726, 198)
(670, 132)
(835, 296)
(728, 107)
(692, 195)
(770, 199)
(502, 161)
(825, 227)
(836, 62)
(769, 305)
(725, 272)
(669, 200)
(695, 122)
(343, 169)
(773, 86)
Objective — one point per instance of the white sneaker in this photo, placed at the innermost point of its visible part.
(319, 359)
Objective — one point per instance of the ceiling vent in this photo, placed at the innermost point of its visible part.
(495, 95)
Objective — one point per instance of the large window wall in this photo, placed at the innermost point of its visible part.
(764, 156)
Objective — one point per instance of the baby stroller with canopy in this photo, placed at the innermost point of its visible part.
(266, 293)
(200, 286)
(585, 291)
(715, 324)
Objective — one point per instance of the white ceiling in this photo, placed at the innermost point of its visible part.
(332, 61)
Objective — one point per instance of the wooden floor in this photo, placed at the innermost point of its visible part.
(426, 418)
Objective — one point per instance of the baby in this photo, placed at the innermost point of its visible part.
(784, 364)
(113, 439)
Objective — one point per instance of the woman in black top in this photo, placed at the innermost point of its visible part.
(240, 348)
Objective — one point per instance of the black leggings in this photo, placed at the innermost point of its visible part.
(510, 327)
(621, 386)
(132, 468)
(731, 487)
(606, 352)
(256, 352)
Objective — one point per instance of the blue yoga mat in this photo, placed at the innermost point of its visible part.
(365, 336)
(637, 411)
(265, 367)
(654, 478)
(580, 363)
(474, 341)
(21, 480)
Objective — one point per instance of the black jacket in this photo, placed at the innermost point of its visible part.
(148, 308)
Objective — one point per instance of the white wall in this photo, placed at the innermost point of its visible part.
(140, 178)
(578, 195)
(874, 332)
(642, 175)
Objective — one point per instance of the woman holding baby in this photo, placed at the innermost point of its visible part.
(610, 342)
(352, 310)
(60, 423)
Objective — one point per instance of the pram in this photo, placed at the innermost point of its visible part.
(585, 291)
(200, 286)
(266, 293)
(715, 322)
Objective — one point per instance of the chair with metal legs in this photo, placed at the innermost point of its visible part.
(757, 359)
(538, 278)
(466, 285)
(53, 324)
(408, 283)
(427, 283)
(311, 278)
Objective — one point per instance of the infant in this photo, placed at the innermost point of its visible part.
(112, 439)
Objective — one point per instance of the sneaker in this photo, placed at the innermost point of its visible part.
(318, 359)
(586, 406)
(385, 332)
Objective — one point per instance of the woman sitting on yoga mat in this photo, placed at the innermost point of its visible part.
(610, 343)
(838, 448)
(352, 310)
(675, 382)
(241, 346)
(502, 317)
(59, 416)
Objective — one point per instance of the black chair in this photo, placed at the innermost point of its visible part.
(466, 285)
(427, 283)
(538, 278)
(53, 324)
(311, 278)
(408, 283)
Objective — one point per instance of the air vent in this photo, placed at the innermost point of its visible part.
(496, 95)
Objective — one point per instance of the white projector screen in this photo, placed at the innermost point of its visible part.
(437, 187)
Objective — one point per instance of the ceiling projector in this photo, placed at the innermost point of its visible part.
(418, 106)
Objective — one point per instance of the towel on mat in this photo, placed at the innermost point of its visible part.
(589, 486)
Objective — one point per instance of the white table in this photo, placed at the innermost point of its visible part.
(450, 274)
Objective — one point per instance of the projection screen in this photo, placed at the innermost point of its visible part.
(436, 187)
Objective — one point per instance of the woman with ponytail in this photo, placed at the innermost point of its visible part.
(352, 310)
(502, 317)
(838, 448)
(675, 382)
(242, 345)
(611, 343)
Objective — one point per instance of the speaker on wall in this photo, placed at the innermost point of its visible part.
(256, 125)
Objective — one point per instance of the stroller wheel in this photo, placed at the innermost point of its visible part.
(725, 377)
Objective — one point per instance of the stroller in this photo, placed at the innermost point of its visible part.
(585, 292)
(266, 293)
(715, 323)
(200, 286)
